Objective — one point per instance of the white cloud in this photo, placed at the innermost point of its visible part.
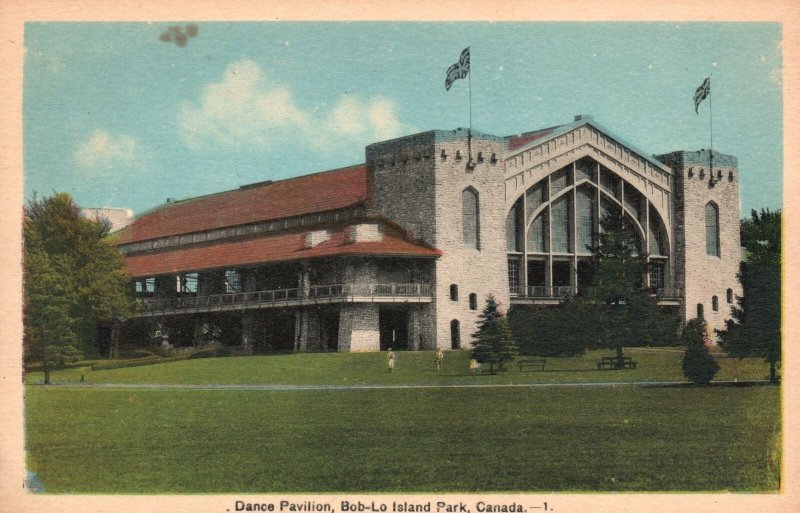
(103, 151)
(246, 110)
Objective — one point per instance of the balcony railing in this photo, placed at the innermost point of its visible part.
(567, 291)
(536, 291)
(279, 297)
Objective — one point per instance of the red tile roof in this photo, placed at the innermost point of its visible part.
(318, 192)
(280, 247)
(518, 141)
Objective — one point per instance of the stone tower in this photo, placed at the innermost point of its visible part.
(708, 250)
(428, 184)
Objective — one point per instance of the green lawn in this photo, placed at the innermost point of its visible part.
(429, 440)
(412, 367)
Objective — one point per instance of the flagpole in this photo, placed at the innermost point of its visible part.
(711, 126)
(469, 132)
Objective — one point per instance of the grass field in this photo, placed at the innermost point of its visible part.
(412, 367)
(415, 440)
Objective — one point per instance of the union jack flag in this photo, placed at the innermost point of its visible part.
(458, 70)
(701, 93)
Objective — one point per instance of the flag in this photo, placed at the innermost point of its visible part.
(458, 70)
(702, 92)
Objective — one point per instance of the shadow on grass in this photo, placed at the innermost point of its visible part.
(724, 384)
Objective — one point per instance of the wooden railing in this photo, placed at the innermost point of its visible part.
(265, 298)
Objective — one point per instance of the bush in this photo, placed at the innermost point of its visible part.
(120, 364)
(547, 332)
(699, 366)
(211, 352)
(131, 353)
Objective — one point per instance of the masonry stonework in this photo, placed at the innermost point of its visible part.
(703, 276)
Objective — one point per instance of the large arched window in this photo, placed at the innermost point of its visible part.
(712, 229)
(471, 216)
(551, 228)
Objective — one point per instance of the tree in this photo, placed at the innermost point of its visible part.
(73, 279)
(754, 328)
(621, 311)
(494, 343)
(698, 366)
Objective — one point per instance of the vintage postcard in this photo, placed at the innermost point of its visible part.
(376, 262)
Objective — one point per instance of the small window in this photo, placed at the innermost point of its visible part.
(473, 301)
(700, 311)
(729, 296)
(233, 281)
(455, 334)
(715, 303)
(454, 292)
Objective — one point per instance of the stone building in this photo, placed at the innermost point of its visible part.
(403, 250)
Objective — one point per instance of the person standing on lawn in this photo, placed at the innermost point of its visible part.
(438, 359)
(390, 357)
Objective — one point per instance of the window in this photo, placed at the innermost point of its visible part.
(146, 286)
(513, 276)
(454, 292)
(473, 301)
(712, 229)
(715, 303)
(699, 310)
(513, 226)
(657, 276)
(455, 334)
(471, 212)
(232, 281)
(729, 295)
(189, 282)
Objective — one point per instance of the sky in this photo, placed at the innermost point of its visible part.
(129, 114)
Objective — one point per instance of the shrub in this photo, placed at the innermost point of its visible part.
(211, 352)
(699, 366)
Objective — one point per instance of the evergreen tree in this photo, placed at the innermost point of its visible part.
(616, 310)
(699, 366)
(754, 328)
(494, 342)
(73, 278)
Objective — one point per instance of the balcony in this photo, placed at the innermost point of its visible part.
(317, 294)
(557, 294)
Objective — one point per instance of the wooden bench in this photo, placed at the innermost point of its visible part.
(610, 363)
(532, 362)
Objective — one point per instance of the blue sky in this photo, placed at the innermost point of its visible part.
(117, 117)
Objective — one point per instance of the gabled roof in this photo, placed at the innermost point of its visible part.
(280, 247)
(319, 192)
(551, 133)
(518, 141)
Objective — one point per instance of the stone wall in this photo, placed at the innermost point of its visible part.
(418, 183)
(700, 275)
(358, 327)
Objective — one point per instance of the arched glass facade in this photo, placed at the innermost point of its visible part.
(550, 229)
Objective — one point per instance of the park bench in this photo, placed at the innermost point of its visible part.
(610, 363)
(532, 362)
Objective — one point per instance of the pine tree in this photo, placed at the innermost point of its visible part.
(623, 313)
(494, 342)
(699, 366)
